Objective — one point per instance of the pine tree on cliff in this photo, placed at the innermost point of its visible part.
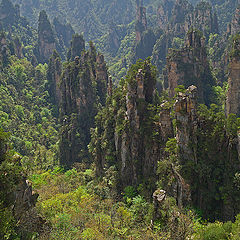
(46, 38)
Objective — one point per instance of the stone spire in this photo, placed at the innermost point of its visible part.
(46, 39)
(233, 95)
(141, 24)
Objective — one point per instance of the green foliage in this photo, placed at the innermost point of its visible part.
(7, 224)
(27, 115)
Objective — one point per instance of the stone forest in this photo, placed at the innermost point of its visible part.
(119, 119)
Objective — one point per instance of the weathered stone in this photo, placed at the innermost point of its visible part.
(83, 86)
(186, 117)
(141, 24)
(234, 26)
(46, 38)
(189, 65)
(54, 72)
(233, 94)
(76, 48)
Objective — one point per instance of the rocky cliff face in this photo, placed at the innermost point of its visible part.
(134, 142)
(141, 24)
(234, 26)
(83, 83)
(177, 19)
(199, 144)
(53, 76)
(76, 48)
(189, 66)
(186, 115)
(46, 38)
(233, 95)
(4, 50)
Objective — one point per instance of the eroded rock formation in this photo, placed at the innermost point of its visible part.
(76, 48)
(189, 66)
(234, 26)
(141, 24)
(53, 75)
(233, 95)
(83, 83)
(46, 38)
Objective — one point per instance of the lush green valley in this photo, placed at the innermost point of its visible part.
(134, 134)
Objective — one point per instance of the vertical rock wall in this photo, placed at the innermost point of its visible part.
(233, 95)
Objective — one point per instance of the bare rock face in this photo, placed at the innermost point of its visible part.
(46, 38)
(233, 95)
(189, 66)
(181, 14)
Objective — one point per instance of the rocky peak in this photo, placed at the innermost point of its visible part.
(46, 38)
(101, 78)
(53, 75)
(189, 66)
(83, 87)
(204, 19)
(233, 95)
(141, 23)
(77, 46)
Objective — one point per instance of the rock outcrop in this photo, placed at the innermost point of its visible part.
(46, 38)
(189, 66)
(234, 26)
(141, 24)
(83, 87)
(133, 142)
(4, 50)
(53, 76)
(233, 94)
(186, 117)
(198, 145)
(76, 47)
(18, 48)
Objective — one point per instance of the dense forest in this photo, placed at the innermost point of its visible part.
(119, 119)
